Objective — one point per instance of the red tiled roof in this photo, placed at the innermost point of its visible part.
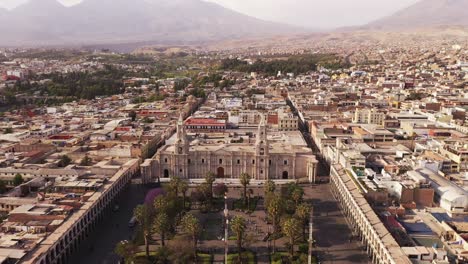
(204, 121)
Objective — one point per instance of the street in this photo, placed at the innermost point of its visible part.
(99, 247)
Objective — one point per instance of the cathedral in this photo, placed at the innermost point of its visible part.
(263, 159)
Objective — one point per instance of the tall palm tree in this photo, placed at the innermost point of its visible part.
(191, 226)
(161, 204)
(143, 215)
(275, 209)
(210, 178)
(184, 187)
(297, 194)
(269, 187)
(302, 214)
(244, 181)
(174, 185)
(292, 229)
(238, 226)
(161, 225)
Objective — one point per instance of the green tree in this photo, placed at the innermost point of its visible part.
(143, 215)
(244, 181)
(191, 226)
(269, 187)
(64, 161)
(238, 226)
(184, 187)
(3, 187)
(86, 161)
(302, 214)
(18, 179)
(275, 209)
(174, 185)
(292, 229)
(210, 178)
(161, 205)
(161, 226)
(132, 115)
(297, 194)
(126, 250)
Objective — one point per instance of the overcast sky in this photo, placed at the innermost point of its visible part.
(310, 13)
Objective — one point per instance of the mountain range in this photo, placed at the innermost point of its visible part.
(94, 22)
(41, 22)
(424, 14)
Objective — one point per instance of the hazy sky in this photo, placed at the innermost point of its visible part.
(310, 13)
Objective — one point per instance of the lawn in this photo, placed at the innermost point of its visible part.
(247, 256)
(283, 258)
(204, 258)
(240, 205)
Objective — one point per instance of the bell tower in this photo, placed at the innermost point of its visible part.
(261, 142)
(262, 151)
(181, 144)
(181, 151)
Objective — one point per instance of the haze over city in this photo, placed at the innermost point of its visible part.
(315, 14)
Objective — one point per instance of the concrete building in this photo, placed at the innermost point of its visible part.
(368, 116)
(287, 121)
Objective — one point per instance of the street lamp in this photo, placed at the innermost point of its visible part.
(226, 227)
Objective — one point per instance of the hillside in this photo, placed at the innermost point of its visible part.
(424, 14)
(47, 22)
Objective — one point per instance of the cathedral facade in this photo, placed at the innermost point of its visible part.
(262, 160)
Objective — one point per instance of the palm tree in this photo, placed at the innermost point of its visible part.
(191, 226)
(238, 226)
(210, 178)
(174, 185)
(161, 204)
(302, 214)
(161, 225)
(143, 215)
(292, 229)
(274, 210)
(297, 194)
(270, 187)
(184, 187)
(126, 250)
(244, 181)
(250, 193)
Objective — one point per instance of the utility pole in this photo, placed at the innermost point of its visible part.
(310, 238)
(226, 227)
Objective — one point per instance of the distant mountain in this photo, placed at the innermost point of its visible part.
(424, 14)
(47, 22)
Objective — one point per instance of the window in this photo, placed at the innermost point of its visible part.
(238, 161)
(253, 161)
(188, 161)
(220, 161)
(261, 171)
(269, 162)
(180, 170)
(202, 160)
(285, 162)
(261, 160)
(165, 160)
